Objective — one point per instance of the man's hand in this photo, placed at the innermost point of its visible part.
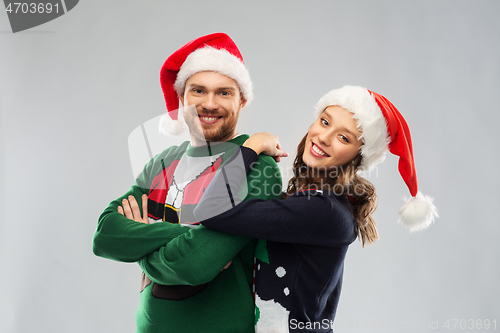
(131, 209)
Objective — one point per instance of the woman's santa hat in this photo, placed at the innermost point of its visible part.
(383, 128)
(216, 53)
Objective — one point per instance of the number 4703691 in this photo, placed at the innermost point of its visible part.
(31, 8)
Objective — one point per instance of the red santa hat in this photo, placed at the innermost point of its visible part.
(383, 128)
(215, 52)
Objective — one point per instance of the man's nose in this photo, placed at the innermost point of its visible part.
(210, 102)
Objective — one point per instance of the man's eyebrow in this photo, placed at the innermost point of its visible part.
(226, 88)
(195, 85)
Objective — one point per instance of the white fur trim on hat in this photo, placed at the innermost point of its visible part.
(215, 60)
(168, 126)
(370, 121)
(418, 212)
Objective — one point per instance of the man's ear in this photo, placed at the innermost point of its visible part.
(181, 98)
(243, 101)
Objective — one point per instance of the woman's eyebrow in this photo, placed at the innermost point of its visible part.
(347, 130)
(343, 127)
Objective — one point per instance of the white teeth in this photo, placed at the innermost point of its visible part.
(209, 118)
(317, 150)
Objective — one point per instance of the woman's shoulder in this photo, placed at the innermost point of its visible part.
(330, 214)
(327, 194)
(329, 200)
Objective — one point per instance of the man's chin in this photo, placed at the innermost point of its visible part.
(211, 133)
(207, 136)
(213, 137)
(217, 135)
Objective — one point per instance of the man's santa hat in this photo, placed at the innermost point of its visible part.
(383, 128)
(216, 53)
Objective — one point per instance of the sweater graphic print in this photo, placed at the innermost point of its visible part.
(185, 186)
(179, 187)
(270, 312)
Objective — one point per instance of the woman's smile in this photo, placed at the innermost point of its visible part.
(317, 151)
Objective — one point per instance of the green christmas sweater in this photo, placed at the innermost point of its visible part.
(184, 286)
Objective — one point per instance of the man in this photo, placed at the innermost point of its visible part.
(195, 279)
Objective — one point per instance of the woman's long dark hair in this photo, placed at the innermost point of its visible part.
(360, 192)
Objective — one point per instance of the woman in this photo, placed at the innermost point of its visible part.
(299, 269)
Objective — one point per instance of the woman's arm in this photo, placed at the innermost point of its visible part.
(228, 187)
(311, 217)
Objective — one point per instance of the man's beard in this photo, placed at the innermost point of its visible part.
(221, 133)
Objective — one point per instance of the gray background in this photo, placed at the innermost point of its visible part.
(72, 90)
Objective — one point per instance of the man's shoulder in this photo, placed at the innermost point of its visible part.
(171, 153)
(265, 168)
(264, 179)
(265, 160)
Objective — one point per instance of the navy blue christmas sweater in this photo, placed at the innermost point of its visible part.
(301, 251)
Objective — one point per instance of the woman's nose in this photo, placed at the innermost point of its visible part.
(325, 137)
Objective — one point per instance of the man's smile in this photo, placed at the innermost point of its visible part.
(209, 119)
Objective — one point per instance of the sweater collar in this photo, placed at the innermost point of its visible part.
(214, 148)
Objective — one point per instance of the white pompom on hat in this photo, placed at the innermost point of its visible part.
(383, 128)
(216, 53)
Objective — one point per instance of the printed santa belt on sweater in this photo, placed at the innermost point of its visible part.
(175, 293)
